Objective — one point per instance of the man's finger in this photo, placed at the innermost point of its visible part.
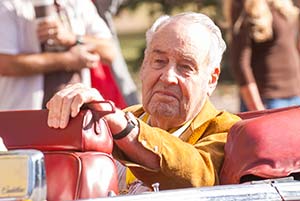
(65, 111)
(54, 106)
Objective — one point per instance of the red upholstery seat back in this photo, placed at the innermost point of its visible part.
(28, 129)
(88, 175)
(266, 146)
(78, 159)
(259, 113)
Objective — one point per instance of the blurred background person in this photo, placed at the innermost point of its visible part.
(263, 52)
(40, 54)
(107, 9)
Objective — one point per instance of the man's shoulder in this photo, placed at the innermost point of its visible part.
(224, 120)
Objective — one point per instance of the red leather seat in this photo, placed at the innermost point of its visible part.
(78, 159)
(262, 147)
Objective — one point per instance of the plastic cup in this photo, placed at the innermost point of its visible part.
(44, 8)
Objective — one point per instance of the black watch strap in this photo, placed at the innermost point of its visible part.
(130, 125)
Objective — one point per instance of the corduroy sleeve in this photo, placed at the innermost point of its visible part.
(182, 164)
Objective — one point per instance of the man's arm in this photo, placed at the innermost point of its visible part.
(76, 58)
(241, 52)
(67, 103)
(182, 164)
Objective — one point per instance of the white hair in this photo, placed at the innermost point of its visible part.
(218, 45)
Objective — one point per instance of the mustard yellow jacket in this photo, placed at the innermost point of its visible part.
(194, 159)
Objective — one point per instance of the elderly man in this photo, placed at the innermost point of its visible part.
(176, 137)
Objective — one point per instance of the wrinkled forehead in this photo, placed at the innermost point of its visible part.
(182, 37)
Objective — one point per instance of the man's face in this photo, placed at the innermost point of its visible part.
(174, 74)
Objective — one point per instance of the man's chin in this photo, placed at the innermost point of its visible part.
(164, 110)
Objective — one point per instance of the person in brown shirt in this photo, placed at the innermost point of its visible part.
(176, 137)
(264, 55)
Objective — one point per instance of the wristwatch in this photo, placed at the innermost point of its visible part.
(131, 124)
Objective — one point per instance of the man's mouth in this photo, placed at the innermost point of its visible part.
(166, 94)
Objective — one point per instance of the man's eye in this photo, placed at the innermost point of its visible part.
(187, 68)
(159, 63)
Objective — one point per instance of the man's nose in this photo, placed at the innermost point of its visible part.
(169, 74)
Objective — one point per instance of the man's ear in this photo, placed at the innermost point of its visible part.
(213, 80)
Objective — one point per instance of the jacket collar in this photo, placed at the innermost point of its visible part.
(201, 122)
(207, 112)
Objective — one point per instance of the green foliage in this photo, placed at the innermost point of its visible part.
(133, 45)
(171, 6)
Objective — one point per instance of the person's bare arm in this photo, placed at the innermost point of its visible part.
(28, 64)
(251, 97)
(76, 58)
(241, 56)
